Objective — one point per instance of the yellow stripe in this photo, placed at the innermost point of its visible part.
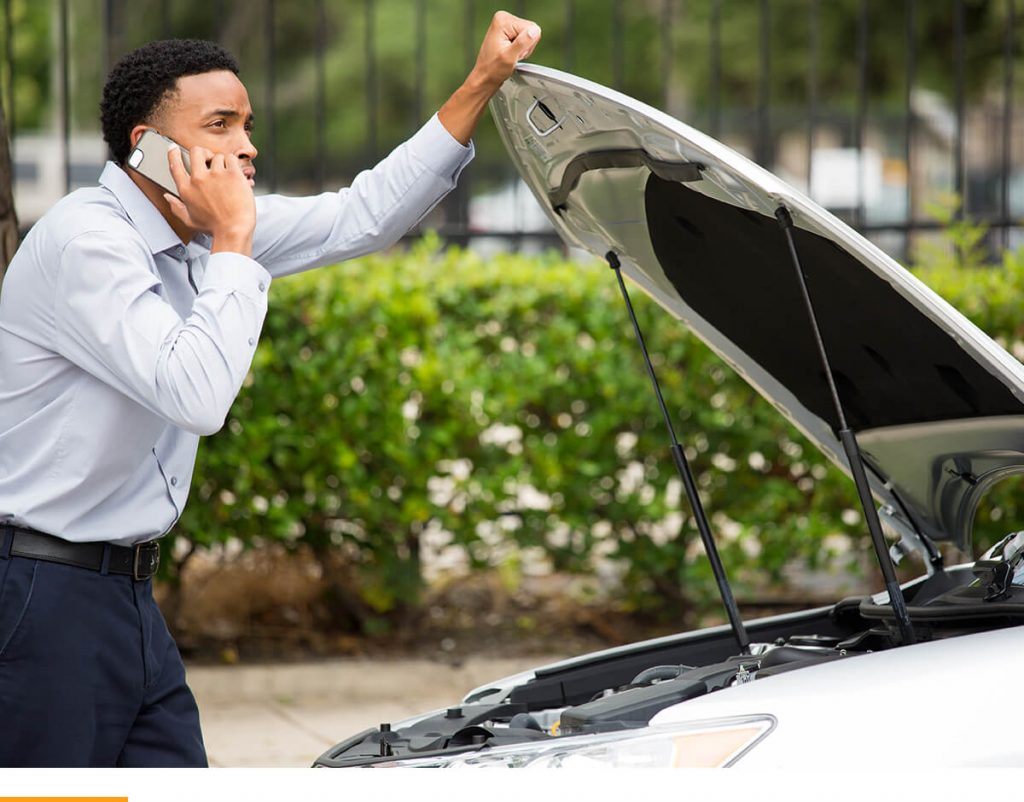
(63, 799)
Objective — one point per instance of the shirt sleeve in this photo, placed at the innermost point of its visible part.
(111, 322)
(381, 205)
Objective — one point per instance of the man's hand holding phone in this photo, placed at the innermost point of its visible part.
(215, 197)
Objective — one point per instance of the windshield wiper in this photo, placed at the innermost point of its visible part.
(849, 441)
(683, 466)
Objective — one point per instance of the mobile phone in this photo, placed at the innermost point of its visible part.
(149, 158)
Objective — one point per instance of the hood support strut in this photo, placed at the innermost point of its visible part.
(853, 453)
(683, 466)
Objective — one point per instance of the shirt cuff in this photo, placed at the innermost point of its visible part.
(441, 153)
(234, 271)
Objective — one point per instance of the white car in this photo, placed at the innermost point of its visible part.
(895, 386)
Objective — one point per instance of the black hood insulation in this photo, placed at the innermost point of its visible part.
(892, 365)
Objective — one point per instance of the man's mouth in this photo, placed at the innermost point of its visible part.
(250, 174)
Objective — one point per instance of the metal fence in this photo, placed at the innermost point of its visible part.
(970, 142)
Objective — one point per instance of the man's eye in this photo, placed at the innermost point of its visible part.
(217, 124)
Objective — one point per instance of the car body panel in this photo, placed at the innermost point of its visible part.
(841, 713)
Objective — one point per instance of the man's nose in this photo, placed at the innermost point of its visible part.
(246, 150)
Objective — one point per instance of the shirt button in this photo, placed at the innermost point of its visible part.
(180, 251)
(174, 481)
(262, 286)
(252, 341)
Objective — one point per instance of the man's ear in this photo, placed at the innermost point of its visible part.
(137, 132)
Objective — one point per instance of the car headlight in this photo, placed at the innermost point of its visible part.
(701, 744)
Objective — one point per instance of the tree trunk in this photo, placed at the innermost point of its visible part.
(8, 218)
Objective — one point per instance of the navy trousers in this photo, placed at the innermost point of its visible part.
(89, 674)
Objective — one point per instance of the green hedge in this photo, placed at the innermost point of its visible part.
(503, 403)
(957, 267)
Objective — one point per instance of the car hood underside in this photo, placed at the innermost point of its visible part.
(936, 404)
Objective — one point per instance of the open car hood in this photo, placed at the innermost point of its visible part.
(937, 406)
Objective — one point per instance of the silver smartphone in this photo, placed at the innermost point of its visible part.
(149, 157)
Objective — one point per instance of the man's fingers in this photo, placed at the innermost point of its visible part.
(510, 24)
(506, 23)
(200, 158)
(178, 209)
(175, 203)
(509, 40)
(520, 35)
(526, 41)
(178, 171)
(231, 163)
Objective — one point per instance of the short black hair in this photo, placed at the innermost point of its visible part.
(141, 80)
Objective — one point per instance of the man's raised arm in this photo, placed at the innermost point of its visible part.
(382, 204)
(508, 41)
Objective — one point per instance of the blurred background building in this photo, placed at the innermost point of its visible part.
(880, 109)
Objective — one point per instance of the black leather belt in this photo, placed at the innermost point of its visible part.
(139, 561)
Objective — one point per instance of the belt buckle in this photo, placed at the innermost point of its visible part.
(152, 561)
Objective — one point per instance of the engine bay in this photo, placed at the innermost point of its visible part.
(624, 688)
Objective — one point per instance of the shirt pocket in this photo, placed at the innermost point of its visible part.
(16, 588)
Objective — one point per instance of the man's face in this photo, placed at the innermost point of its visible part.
(210, 110)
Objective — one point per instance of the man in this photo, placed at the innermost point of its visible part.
(128, 320)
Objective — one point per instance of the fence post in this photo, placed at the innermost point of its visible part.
(862, 106)
(960, 178)
(909, 124)
(320, 97)
(8, 216)
(270, 62)
(813, 35)
(9, 56)
(369, 45)
(716, 69)
(65, 92)
(666, 53)
(763, 145)
(1008, 55)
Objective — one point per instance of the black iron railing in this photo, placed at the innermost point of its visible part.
(598, 39)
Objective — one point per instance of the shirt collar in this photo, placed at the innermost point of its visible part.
(200, 244)
(148, 221)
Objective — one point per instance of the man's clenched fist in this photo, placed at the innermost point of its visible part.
(508, 41)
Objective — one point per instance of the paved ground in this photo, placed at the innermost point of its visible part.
(287, 715)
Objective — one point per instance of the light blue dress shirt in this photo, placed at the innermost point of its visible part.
(120, 345)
